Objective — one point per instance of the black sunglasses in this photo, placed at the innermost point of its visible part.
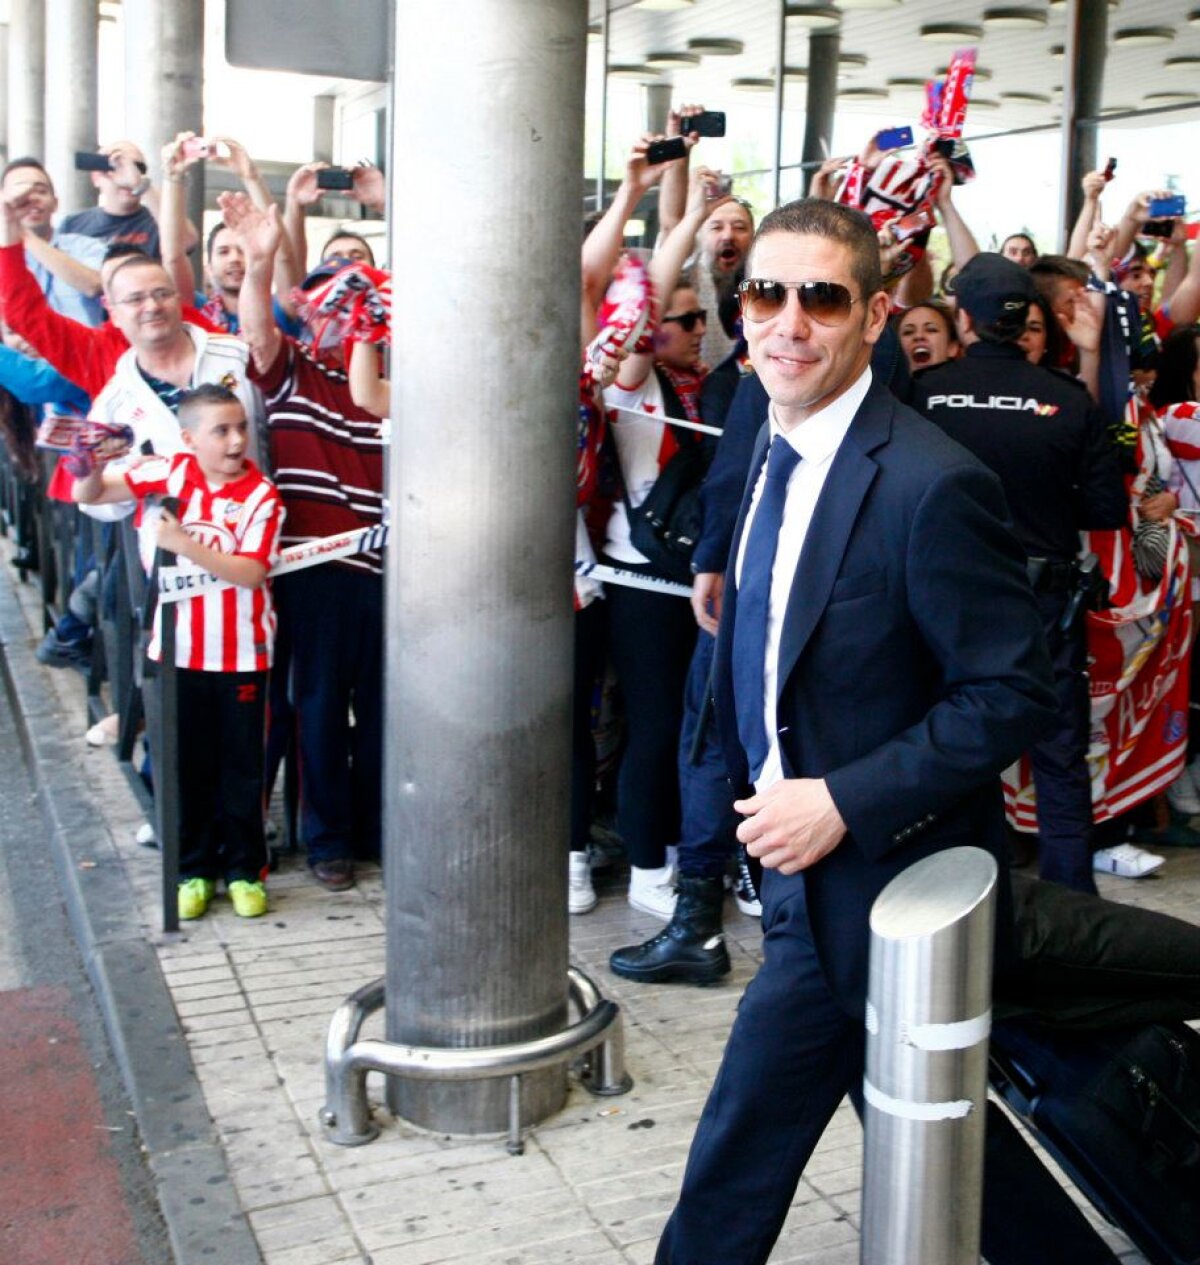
(687, 320)
(826, 302)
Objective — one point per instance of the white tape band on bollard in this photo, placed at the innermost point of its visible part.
(955, 1109)
(947, 1036)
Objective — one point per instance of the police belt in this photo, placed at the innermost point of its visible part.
(1047, 575)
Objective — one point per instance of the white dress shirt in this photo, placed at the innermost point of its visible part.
(817, 440)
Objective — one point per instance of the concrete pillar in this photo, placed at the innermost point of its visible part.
(164, 81)
(26, 78)
(823, 49)
(323, 129)
(5, 151)
(1083, 89)
(479, 611)
(658, 106)
(71, 75)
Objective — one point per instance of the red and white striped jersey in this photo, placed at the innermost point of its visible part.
(223, 630)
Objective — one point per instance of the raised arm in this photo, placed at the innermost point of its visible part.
(603, 244)
(1183, 302)
(368, 389)
(670, 257)
(1094, 184)
(1135, 217)
(963, 246)
(70, 271)
(672, 193)
(259, 234)
(172, 217)
(289, 272)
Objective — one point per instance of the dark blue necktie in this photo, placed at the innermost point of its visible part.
(753, 601)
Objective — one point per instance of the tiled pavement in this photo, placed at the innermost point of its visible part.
(596, 1181)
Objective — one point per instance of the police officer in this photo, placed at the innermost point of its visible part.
(1041, 433)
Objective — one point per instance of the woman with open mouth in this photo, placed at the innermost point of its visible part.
(927, 335)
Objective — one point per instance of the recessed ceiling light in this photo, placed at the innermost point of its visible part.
(631, 70)
(1057, 51)
(752, 85)
(1143, 36)
(1194, 17)
(982, 73)
(983, 103)
(852, 61)
(1170, 98)
(1014, 18)
(905, 83)
(672, 61)
(817, 17)
(863, 94)
(716, 48)
(663, 5)
(1062, 4)
(868, 4)
(1182, 63)
(794, 74)
(950, 32)
(1025, 98)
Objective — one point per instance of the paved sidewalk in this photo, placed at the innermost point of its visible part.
(253, 1000)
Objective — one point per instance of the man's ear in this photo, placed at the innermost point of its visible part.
(879, 308)
(964, 322)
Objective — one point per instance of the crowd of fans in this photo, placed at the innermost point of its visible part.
(247, 418)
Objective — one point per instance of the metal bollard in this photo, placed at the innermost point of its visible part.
(928, 1019)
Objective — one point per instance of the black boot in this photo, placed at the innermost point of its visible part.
(691, 949)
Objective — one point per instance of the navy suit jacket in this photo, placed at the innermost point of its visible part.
(912, 666)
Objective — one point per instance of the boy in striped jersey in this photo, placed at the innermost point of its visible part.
(228, 524)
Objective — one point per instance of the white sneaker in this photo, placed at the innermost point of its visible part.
(107, 731)
(146, 836)
(653, 891)
(581, 895)
(1126, 861)
(1182, 794)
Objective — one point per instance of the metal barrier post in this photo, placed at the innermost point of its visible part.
(163, 719)
(928, 1019)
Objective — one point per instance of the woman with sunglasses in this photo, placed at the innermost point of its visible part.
(652, 635)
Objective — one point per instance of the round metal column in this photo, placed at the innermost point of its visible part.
(72, 54)
(1083, 90)
(823, 50)
(485, 230)
(928, 1019)
(26, 78)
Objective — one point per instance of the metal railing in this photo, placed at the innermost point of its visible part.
(48, 536)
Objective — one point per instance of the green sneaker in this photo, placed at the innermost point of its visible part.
(195, 894)
(249, 899)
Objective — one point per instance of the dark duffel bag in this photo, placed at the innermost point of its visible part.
(1120, 1111)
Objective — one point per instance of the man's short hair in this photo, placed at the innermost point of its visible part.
(219, 227)
(125, 250)
(28, 161)
(1049, 271)
(193, 404)
(356, 237)
(1012, 237)
(817, 217)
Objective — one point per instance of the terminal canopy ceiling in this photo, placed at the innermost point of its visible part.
(715, 50)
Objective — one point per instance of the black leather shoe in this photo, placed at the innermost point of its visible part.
(691, 950)
(334, 876)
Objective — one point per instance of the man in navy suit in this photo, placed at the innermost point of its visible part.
(878, 664)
